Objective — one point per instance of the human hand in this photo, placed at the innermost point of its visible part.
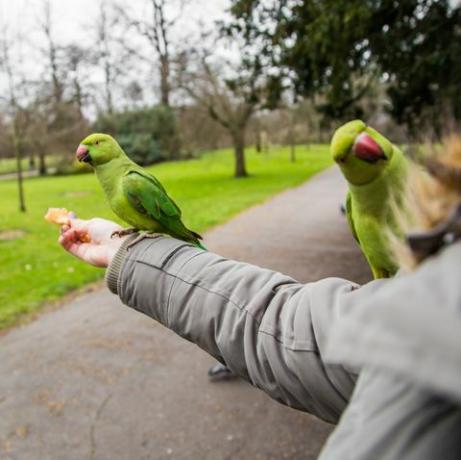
(101, 248)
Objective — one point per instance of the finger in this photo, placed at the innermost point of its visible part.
(73, 235)
(76, 249)
(79, 224)
(71, 241)
(83, 251)
(67, 238)
(82, 229)
(66, 243)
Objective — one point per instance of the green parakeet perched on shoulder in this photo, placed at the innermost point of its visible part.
(134, 195)
(375, 170)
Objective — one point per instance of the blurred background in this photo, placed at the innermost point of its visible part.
(227, 102)
(173, 79)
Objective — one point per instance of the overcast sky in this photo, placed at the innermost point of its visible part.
(73, 15)
(74, 22)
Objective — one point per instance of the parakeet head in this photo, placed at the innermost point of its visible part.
(98, 149)
(360, 151)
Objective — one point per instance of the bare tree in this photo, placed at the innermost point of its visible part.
(76, 57)
(104, 56)
(156, 29)
(54, 78)
(51, 52)
(113, 56)
(231, 102)
(198, 131)
(16, 128)
(55, 110)
(156, 33)
(234, 88)
(134, 94)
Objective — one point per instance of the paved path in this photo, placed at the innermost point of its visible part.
(26, 174)
(95, 380)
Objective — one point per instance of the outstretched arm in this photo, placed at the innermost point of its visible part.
(267, 327)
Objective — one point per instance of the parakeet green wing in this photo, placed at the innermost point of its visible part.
(148, 197)
(349, 217)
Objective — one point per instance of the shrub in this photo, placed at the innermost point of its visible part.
(141, 147)
(147, 135)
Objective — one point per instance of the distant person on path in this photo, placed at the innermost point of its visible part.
(383, 361)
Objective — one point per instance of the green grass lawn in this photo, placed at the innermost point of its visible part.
(34, 268)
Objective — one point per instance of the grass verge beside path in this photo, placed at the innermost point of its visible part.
(8, 165)
(34, 269)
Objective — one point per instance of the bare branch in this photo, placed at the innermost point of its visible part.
(156, 29)
(52, 51)
(16, 133)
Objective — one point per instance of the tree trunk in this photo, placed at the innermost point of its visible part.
(292, 151)
(18, 154)
(238, 139)
(41, 163)
(258, 141)
(31, 161)
(108, 88)
(292, 137)
(78, 98)
(164, 81)
(258, 136)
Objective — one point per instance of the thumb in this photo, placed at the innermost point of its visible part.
(78, 224)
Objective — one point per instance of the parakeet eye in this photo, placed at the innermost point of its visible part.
(97, 142)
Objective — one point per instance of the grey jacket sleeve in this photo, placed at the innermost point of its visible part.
(409, 328)
(267, 327)
(406, 338)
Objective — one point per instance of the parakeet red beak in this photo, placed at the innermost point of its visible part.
(367, 149)
(83, 154)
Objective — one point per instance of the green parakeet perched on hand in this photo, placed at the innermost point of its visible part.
(134, 195)
(375, 170)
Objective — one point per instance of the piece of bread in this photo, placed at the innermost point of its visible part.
(61, 216)
(58, 216)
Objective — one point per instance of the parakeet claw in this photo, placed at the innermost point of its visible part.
(141, 236)
(151, 234)
(124, 232)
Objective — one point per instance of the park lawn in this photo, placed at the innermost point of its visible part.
(34, 269)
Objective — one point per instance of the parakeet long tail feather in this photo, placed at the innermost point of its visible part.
(199, 237)
(201, 246)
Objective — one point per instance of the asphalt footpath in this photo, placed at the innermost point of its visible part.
(96, 380)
